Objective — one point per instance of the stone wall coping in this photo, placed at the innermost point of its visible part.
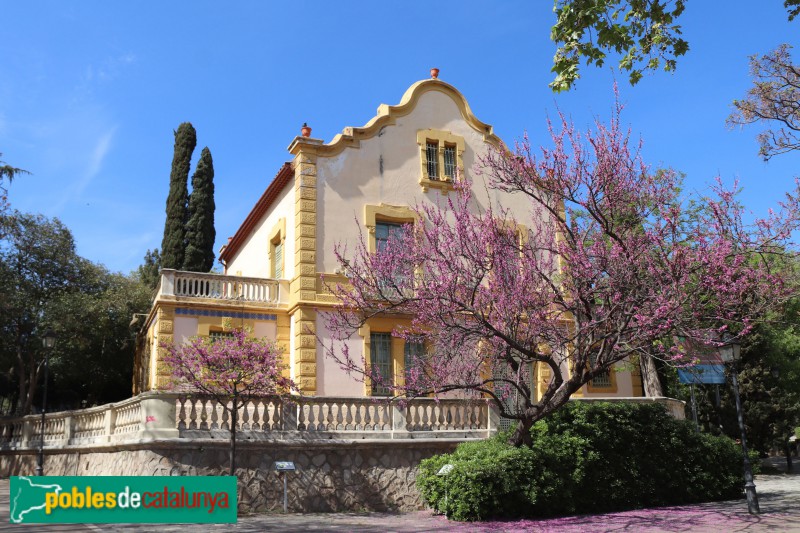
(221, 443)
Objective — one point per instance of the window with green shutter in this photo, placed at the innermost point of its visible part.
(277, 260)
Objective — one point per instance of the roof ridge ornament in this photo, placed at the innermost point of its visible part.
(435, 73)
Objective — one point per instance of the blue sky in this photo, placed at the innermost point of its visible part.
(91, 91)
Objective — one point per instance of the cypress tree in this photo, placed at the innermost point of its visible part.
(200, 233)
(174, 241)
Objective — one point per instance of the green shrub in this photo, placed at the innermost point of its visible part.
(489, 478)
(586, 458)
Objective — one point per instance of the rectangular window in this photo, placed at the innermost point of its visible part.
(412, 352)
(431, 154)
(603, 380)
(277, 260)
(380, 358)
(382, 232)
(449, 161)
(441, 158)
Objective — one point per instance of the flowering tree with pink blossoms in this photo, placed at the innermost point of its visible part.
(232, 369)
(617, 265)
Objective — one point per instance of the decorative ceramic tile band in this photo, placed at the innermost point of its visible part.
(224, 314)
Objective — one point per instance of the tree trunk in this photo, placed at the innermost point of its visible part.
(787, 450)
(234, 420)
(650, 382)
(522, 434)
(27, 375)
(22, 395)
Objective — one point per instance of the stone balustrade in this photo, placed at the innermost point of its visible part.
(158, 415)
(220, 287)
(154, 416)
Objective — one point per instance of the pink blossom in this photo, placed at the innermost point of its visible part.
(620, 264)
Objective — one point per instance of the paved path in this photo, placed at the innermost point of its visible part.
(779, 496)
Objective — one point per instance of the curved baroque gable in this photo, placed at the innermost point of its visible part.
(351, 136)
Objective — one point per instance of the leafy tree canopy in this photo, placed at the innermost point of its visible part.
(645, 34)
(45, 284)
(149, 272)
(7, 175)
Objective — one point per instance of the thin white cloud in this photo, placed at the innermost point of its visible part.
(99, 153)
(94, 164)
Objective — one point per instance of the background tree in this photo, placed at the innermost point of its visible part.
(7, 174)
(45, 284)
(149, 272)
(232, 370)
(38, 263)
(92, 362)
(771, 403)
(616, 264)
(644, 33)
(200, 233)
(173, 244)
(773, 100)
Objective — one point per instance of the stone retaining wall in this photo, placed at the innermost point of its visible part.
(363, 475)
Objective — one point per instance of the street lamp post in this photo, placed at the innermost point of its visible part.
(730, 352)
(48, 341)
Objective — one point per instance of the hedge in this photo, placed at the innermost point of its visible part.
(585, 458)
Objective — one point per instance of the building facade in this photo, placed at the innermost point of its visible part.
(367, 179)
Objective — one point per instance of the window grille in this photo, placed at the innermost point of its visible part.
(381, 360)
(413, 351)
(449, 162)
(214, 336)
(431, 154)
(515, 402)
(277, 259)
(602, 380)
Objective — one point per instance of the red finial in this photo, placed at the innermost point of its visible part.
(305, 130)
(434, 73)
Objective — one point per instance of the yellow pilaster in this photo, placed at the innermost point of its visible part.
(165, 324)
(303, 287)
(305, 349)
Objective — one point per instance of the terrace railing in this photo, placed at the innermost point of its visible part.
(158, 415)
(221, 287)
